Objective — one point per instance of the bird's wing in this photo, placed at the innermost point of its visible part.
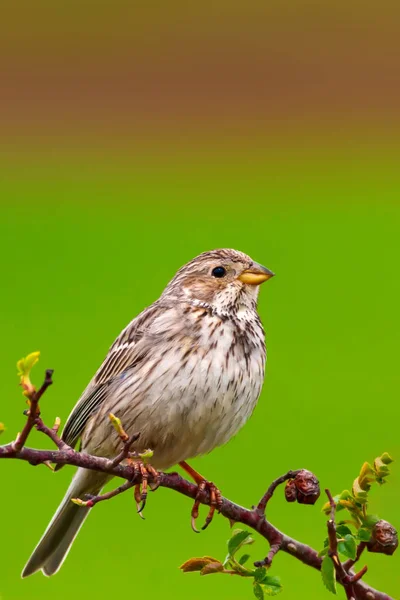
(127, 351)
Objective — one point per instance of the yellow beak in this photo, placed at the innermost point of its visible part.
(255, 275)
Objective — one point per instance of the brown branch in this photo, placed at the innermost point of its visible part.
(253, 518)
(268, 494)
(230, 510)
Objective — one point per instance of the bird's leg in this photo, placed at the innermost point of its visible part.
(144, 468)
(203, 484)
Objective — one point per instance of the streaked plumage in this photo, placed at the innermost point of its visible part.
(186, 374)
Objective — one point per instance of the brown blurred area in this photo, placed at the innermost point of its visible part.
(114, 69)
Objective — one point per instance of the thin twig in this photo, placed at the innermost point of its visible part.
(33, 412)
(267, 561)
(92, 500)
(126, 446)
(51, 432)
(268, 494)
(359, 575)
(350, 562)
(48, 381)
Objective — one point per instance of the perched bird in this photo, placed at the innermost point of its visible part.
(186, 373)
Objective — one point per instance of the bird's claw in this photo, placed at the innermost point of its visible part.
(145, 470)
(215, 503)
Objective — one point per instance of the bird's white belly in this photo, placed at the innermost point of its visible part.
(192, 400)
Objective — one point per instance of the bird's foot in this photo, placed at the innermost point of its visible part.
(215, 503)
(203, 485)
(141, 466)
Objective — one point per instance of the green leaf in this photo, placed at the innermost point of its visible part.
(26, 364)
(243, 559)
(322, 553)
(24, 367)
(386, 458)
(239, 539)
(328, 574)
(346, 495)
(260, 574)
(370, 521)
(382, 470)
(348, 547)
(258, 591)
(364, 535)
(327, 507)
(271, 586)
(366, 477)
(344, 500)
(360, 495)
(381, 467)
(343, 530)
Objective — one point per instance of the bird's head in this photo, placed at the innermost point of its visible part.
(223, 279)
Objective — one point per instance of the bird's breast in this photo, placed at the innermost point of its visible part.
(195, 392)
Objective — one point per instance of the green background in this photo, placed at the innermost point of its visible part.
(133, 142)
(75, 272)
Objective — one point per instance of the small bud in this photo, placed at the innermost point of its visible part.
(57, 424)
(304, 488)
(79, 502)
(116, 423)
(146, 454)
(383, 539)
(24, 367)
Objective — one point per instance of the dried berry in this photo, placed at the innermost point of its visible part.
(304, 488)
(383, 539)
(307, 487)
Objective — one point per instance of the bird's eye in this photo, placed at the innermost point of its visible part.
(218, 272)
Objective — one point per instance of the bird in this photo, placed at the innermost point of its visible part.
(186, 374)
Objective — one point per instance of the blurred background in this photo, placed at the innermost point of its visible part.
(134, 138)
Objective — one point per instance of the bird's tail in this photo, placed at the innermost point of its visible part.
(56, 541)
